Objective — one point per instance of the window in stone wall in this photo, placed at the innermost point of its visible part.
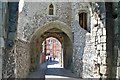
(51, 9)
(83, 20)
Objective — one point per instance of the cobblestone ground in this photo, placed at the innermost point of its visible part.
(56, 72)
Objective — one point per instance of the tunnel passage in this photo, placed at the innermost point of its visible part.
(57, 30)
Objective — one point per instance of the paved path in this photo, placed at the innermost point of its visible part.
(40, 72)
(52, 71)
(56, 72)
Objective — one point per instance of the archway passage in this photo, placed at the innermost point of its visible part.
(57, 30)
(52, 51)
(36, 47)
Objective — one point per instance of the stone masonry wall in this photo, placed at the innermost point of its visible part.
(118, 29)
(9, 62)
(93, 44)
(31, 18)
(89, 46)
(83, 51)
(1, 38)
(99, 40)
(22, 59)
(9, 34)
(35, 15)
(89, 56)
(81, 48)
(6, 57)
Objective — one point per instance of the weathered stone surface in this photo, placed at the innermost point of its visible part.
(9, 10)
(103, 60)
(100, 40)
(11, 36)
(86, 46)
(1, 17)
(22, 59)
(0, 5)
(2, 43)
(103, 69)
(99, 47)
(104, 31)
(9, 64)
(0, 63)
(99, 32)
(103, 38)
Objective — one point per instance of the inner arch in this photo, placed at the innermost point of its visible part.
(58, 30)
(52, 51)
(53, 24)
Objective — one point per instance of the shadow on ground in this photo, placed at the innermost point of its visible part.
(53, 62)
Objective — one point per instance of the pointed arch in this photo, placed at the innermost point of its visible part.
(54, 24)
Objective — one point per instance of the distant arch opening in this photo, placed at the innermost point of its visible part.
(52, 50)
(58, 30)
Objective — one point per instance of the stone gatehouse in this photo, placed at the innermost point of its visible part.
(89, 39)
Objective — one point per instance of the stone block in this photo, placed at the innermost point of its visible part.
(96, 42)
(118, 72)
(93, 39)
(104, 31)
(103, 69)
(94, 33)
(95, 29)
(103, 53)
(96, 38)
(104, 46)
(99, 47)
(97, 52)
(99, 59)
(99, 39)
(103, 38)
(103, 60)
(99, 32)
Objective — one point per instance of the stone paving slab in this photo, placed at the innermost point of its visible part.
(40, 72)
(56, 72)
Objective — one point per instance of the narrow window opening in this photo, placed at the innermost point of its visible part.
(51, 9)
(83, 20)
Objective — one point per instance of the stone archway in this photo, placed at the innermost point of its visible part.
(58, 30)
(53, 24)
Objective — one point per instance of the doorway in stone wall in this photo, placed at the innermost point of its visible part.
(60, 32)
